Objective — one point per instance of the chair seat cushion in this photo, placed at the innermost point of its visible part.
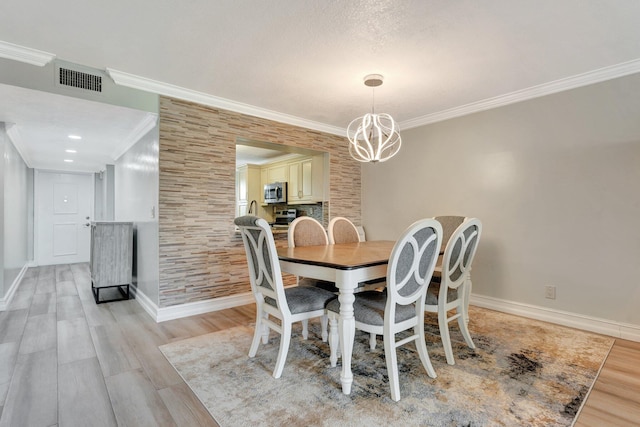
(368, 308)
(434, 290)
(302, 299)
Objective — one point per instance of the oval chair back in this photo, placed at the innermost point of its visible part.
(289, 305)
(455, 285)
(306, 231)
(342, 230)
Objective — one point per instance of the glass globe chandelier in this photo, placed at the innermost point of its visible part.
(374, 137)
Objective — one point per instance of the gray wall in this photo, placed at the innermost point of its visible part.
(104, 194)
(14, 217)
(136, 199)
(554, 181)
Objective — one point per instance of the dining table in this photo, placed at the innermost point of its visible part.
(345, 264)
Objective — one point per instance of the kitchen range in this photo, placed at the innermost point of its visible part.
(283, 218)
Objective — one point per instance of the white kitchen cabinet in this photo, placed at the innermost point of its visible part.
(301, 180)
(248, 188)
(304, 176)
(111, 258)
(278, 173)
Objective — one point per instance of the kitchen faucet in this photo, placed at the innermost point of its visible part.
(253, 205)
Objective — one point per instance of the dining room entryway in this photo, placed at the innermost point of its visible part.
(64, 208)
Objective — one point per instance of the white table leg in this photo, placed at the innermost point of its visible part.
(347, 326)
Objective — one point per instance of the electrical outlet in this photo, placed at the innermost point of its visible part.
(550, 292)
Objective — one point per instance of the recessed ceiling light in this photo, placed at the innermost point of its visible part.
(71, 151)
(75, 137)
(68, 160)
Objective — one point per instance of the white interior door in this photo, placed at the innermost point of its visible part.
(64, 210)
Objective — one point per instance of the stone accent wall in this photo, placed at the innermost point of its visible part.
(201, 257)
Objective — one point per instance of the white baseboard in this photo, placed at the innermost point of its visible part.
(162, 314)
(6, 300)
(564, 318)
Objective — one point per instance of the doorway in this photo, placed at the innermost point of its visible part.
(64, 206)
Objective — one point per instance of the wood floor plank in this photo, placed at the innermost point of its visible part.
(185, 407)
(8, 356)
(63, 273)
(12, 325)
(144, 338)
(69, 307)
(136, 402)
(187, 327)
(42, 304)
(113, 350)
(32, 397)
(83, 396)
(119, 309)
(74, 340)
(66, 288)
(46, 280)
(21, 300)
(97, 314)
(39, 334)
(29, 281)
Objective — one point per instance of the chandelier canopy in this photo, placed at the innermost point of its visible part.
(374, 137)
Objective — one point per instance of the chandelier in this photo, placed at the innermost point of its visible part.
(373, 137)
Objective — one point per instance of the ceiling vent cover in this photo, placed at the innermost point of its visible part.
(80, 80)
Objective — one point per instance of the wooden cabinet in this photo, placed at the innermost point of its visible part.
(277, 173)
(248, 188)
(111, 258)
(300, 181)
(304, 176)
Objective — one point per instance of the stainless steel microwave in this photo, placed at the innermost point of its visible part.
(275, 192)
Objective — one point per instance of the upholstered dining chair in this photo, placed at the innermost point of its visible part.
(452, 291)
(342, 230)
(307, 231)
(401, 307)
(449, 224)
(272, 299)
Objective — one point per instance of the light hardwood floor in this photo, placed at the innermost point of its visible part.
(66, 361)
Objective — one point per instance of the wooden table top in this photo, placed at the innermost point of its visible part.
(344, 256)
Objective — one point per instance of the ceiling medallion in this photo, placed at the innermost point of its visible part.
(373, 137)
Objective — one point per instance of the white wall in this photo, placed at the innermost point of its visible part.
(14, 218)
(136, 199)
(555, 181)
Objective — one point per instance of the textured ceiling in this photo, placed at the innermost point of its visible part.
(306, 59)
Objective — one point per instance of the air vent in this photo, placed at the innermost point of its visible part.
(80, 80)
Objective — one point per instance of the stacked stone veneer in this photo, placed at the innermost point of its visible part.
(201, 257)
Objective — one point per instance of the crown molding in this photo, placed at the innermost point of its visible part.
(146, 124)
(579, 80)
(25, 54)
(16, 139)
(142, 83)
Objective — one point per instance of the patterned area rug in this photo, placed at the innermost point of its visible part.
(522, 373)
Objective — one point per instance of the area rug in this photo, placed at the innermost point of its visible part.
(522, 373)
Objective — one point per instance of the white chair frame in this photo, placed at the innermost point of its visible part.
(291, 240)
(266, 282)
(396, 297)
(456, 275)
